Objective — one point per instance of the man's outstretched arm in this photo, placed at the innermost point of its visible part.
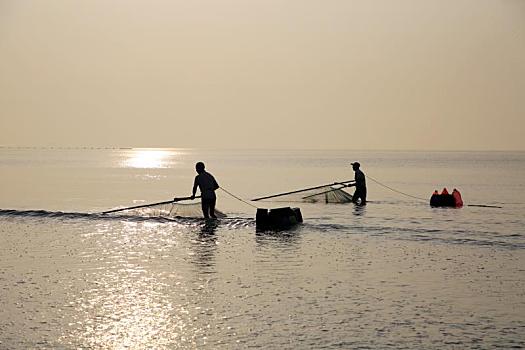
(194, 191)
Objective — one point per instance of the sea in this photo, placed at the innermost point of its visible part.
(394, 274)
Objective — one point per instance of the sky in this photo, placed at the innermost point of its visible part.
(265, 74)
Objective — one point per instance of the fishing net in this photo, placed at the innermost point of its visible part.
(329, 195)
(171, 210)
(333, 193)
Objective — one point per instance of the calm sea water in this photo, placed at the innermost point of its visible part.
(393, 274)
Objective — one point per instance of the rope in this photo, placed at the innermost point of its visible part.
(394, 190)
(423, 199)
(239, 199)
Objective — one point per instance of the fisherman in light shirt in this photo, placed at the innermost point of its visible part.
(207, 185)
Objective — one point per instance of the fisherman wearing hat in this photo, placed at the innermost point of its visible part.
(360, 184)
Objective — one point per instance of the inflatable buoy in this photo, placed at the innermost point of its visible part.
(445, 199)
(457, 198)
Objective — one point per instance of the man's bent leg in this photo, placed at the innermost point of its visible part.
(205, 208)
(363, 197)
(356, 196)
(212, 207)
(360, 193)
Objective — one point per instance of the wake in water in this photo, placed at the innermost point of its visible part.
(485, 238)
(230, 222)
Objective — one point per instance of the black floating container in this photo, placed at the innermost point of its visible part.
(278, 218)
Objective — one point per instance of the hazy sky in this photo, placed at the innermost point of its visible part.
(370, 74)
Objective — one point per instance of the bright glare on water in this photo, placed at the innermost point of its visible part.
(150, 158)
(394, 274)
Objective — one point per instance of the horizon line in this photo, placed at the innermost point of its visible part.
(259, 149)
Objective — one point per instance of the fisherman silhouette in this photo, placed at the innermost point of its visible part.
(207, 185)
(360, 184)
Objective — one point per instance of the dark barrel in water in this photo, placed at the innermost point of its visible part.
(278, 218)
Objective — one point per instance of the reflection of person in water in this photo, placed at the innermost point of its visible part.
(204, 246)
(207, 185)
(360, 184)
(209, 228)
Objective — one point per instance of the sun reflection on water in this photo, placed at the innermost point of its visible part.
(128, 303)
(150, 158)
(125, 314)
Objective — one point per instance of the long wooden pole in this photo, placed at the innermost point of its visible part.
(303, 190)
(148, 205)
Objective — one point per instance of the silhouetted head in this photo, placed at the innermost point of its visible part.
(199, 167)
(355, 165)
